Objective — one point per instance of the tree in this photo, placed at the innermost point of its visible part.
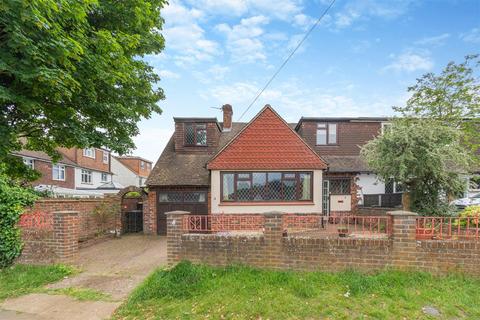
(12, 201)
(452, 97)
(71, 73)
(426, 156)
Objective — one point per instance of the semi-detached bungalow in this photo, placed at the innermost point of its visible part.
(267, 164)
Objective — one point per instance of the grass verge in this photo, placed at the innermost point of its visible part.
(22, 279)
(198, 292)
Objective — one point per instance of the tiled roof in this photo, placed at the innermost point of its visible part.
(267, 142)
(346, 164)
(43, 156)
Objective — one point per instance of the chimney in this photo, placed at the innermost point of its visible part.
(227, 117)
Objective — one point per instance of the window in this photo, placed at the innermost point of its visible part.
(105, 157)
(142, 164)
(86, 177)
(391, 186)
(326, 133)
(89, 152)
(29, 162)
(58, 172)
(149, 166)
(189, 197)
(385, 126)
(104, 177)
(340, 186)
(195, 134)
(266, 186)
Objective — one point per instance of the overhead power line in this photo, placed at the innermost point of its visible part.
(288, 58)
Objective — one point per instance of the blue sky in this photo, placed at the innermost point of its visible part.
(358, 62)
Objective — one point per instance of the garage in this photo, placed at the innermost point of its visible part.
(193, 201)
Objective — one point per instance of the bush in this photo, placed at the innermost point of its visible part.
(469, 212)
(13, 200)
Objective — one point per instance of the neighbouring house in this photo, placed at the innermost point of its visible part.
(130, 170)
(312, 166)
(79, 172)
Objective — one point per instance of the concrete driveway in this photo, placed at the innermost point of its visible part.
(114, 267)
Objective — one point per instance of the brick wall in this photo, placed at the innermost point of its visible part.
(271, 249)
(150, 213)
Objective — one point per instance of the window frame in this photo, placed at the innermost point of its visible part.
(386, 125)
(196, 128)
(327, 133)
(85, 153)
(61, 168)
(87, 173)
(265, 192)
(30, 164)
(103, 174)
(182, 195)
(105, 157)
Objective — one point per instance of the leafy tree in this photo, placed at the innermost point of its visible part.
(426, 156)
(13, 199)
(453, 97)
(71, 73)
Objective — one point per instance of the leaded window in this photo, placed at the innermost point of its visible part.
(266, 186)
(340, 186)
(195, 134)
(187, 196)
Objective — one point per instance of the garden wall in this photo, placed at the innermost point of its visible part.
(272, 249)
(54, 229)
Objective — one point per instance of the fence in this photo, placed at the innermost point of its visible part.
(385, 200)
(292, 242)
(448, 228)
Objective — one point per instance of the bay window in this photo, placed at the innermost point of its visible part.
(266, 186)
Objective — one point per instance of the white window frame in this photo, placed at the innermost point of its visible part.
(89, 152)
(142, 164)
(385, 125)
(86, 173)
(60, 170)
(105, 157)
(327, 128)
(104, 175)
(29, 162)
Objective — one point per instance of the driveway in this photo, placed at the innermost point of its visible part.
(114, 267)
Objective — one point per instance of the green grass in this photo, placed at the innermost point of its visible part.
(198, 292)
(22, 279)
(82, 294)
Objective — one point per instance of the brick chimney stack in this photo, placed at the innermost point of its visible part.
(227, 117)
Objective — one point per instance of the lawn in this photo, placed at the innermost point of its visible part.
(22, 279)
(198, 292)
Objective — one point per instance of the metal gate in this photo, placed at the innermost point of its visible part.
(326, 198)
(134, 221)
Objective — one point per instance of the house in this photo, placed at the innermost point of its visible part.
(79, 172)
(312, 166)
(130, 170)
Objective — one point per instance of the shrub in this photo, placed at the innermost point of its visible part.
(469, 212)
(13, 200)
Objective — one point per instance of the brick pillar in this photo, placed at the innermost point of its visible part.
(403, 239)
(174, 235)
(150, 213)
(273, 239)
(65, 235)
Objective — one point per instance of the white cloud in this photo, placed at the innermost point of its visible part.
(303, 21)
(212, 74)
(243, 40)
(366, 9)
(410, 62)
(167, 74)
(472, 36)
(434, 41)
(184, 35)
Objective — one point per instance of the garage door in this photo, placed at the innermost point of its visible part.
(191, 201)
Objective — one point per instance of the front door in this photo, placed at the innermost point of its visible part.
(194, 202)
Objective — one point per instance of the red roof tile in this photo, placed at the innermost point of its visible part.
(267, 142)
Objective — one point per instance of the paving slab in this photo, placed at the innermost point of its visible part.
(114, 267)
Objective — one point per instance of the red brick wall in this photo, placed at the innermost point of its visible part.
(150, 213)
(213, 137)
(271, 249)
(45, 168)
(350, 136)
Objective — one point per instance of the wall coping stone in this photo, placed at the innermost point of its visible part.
(178, 212)
(66, 212)
(274, 214)
(401, 213)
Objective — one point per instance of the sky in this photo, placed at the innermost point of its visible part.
(359, 61)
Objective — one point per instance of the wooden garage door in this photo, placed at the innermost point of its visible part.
(194, 202)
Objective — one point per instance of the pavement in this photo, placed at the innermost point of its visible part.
(114, 267)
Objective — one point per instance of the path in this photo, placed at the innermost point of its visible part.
(114, 267)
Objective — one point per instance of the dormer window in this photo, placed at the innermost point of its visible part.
(195, 134)
(326, 133)
(89, 152)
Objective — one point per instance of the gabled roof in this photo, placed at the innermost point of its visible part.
(267, 142)
(40, 155)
